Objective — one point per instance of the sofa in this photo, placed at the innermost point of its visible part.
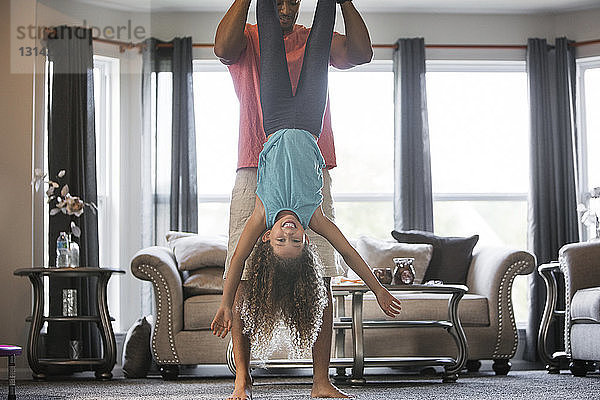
(181, 330)
(580, 265)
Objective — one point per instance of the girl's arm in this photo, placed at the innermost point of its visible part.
(326, 228)
(252, 231)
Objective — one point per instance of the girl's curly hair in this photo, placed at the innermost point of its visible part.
(284, 293)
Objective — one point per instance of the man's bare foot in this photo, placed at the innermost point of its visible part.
(327, 390)
(242, 390)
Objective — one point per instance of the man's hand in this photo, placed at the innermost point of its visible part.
(221, 324)
(389, 304)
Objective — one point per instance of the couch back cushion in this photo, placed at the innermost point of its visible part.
(380, 254)
(451, 255)
(207, 280)
(193, 251)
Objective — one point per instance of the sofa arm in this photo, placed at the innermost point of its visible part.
(157, 265)
(491, 274)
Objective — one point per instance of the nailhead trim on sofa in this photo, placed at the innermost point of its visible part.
(565, 271)
(509, 277)
(155, 276)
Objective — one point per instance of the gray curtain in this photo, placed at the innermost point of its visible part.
(413, 200)
(553, 204)
(72, 147)
(174, 57)
(178, 208)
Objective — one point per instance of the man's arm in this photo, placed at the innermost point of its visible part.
(355, 47)
(230, 41)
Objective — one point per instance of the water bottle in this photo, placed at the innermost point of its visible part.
(62, 250)
(74, 254)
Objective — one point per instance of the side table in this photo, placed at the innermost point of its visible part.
(102, 366)
(550, 272)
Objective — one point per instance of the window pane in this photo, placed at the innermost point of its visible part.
(478, 124)
(373, 219)
(592, 105)
(216, 110)
(498, 223)
(362, 112)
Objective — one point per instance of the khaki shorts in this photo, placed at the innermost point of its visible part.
(243, 198)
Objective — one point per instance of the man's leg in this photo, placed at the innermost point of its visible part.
(241, 352)
(321, 352)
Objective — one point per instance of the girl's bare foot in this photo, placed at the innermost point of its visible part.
(242, 390)
(327, 390)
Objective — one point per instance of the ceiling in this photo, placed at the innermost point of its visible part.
(422, 6)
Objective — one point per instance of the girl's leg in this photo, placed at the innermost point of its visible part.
(275, 86)
(311, 94)
(241, 351)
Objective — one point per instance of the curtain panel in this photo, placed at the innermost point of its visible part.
(174, 57)
(171, 205)
(72, 147)
(553, 194)
(413, 199)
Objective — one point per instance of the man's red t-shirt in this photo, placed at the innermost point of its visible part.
(246, 80)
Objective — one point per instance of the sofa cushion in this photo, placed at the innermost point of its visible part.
(586, 305)
(379, 253)
(451, 256)
(207, 280)
(199, 311)
(193, 251)
(473, 309)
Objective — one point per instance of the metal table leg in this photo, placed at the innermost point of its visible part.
(458, 334)
(340, 336)
(357, 339)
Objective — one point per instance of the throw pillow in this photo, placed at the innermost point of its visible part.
(136, 349)
(204, 281)
(451, 255)
(193, 251)
(379, 253)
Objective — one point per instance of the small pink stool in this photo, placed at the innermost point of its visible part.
(10, 351)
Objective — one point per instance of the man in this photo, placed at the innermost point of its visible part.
(236, 45)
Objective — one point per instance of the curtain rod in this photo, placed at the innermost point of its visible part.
(123, 46)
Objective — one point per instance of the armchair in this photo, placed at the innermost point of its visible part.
(580, 265)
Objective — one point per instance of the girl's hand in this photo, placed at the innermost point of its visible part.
(221, 324)
(389, 304)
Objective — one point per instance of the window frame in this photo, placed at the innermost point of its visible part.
(108, 171)
(583, 64)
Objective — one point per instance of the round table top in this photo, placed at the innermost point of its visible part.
(9, 350)
(67, 271)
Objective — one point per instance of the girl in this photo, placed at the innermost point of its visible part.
(286, 283)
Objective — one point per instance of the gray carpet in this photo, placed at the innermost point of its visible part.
(484, 385)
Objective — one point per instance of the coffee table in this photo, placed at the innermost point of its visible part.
(357, 326)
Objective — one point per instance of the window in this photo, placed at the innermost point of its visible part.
(363, 189)
(589, 134)
(107, 119)
(362, 112)
(216, 110)
(479, 135)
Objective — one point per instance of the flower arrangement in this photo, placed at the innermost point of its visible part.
(589, 215)
(62, 201)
